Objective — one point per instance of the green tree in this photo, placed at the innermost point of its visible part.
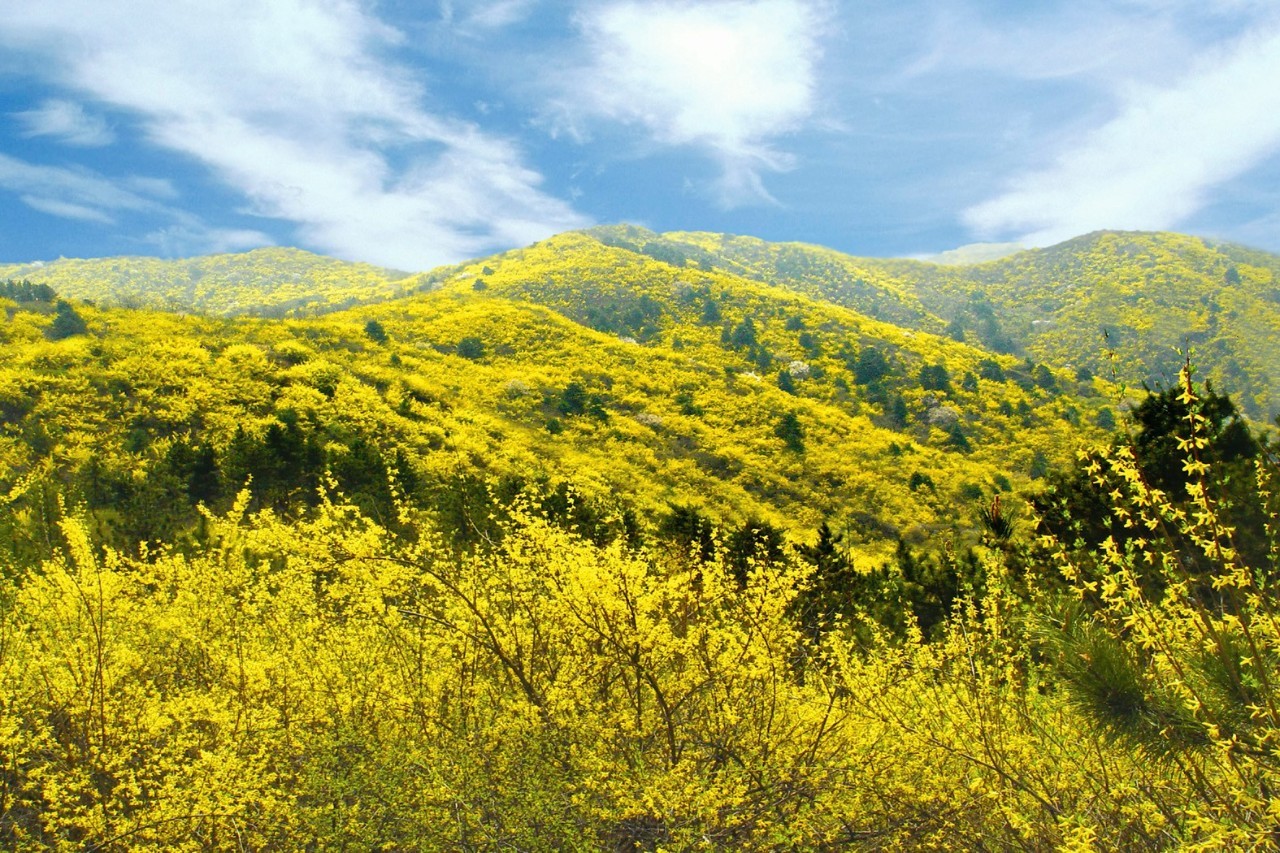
(836, 590)
(711, 312)
(991, 370)
(684, 399)
(744, 334)
(896, 412)
(375, 332)
(66, 322)
(573, 400)
(690, 530)
(1077, 505)
(1044, 378)
(934, 377)
(791, 432)
(871, 366)
(204, 483)
(471, 347)
(755, 541)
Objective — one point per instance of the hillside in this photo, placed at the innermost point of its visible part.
(619, 542)
(1152, 295)
(635, 380)
(276, 282)
(817, 272)
(749, 381)
(1118, 304)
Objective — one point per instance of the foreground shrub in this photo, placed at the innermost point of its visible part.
(328, 683)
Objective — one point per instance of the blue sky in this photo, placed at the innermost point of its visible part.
(412, 133)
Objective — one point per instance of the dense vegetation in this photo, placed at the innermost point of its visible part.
(274, 282)
(611, 543)
(1140, 297)
(744, 402)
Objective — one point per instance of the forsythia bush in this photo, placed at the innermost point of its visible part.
(1173, 646)
(331, 684)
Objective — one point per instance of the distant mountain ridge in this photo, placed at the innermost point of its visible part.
(639, 371)
(274, 281)
(1119, 304)
(1127, 305)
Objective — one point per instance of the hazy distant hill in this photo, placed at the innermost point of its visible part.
(1122, 304)
(975, 253)
(813, 270)
(692, 348)
(1143, 298)
(783, 382)
(274, 282)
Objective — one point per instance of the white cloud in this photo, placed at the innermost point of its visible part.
(154, 187)
(66, 209)
(1154, 164)
(1098, 42)
(191, 237)
(474, 16)
(67, 122)
(728, 76)
(290, 103)
(73, 193)
(89, 197)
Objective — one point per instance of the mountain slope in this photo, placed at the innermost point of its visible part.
(817, 272)
(1154, 296)
(436, 572)
(1126, 304)
(1122, 305)
(272, 282)
(769, 405)
(720, 373)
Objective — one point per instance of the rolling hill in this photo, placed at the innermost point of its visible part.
(273, 282)
(573, 360)
(632, 541)
(1125, 305)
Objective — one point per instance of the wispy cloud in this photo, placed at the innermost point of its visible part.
(1154, 163)
(86, 196)
(67, 122)
(1084, 41)
(726, 76)
(189, 236)
(154, 187)
(66, 209)
(292, 104)
(1094, 42)
(71, 193)
(475, 16)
